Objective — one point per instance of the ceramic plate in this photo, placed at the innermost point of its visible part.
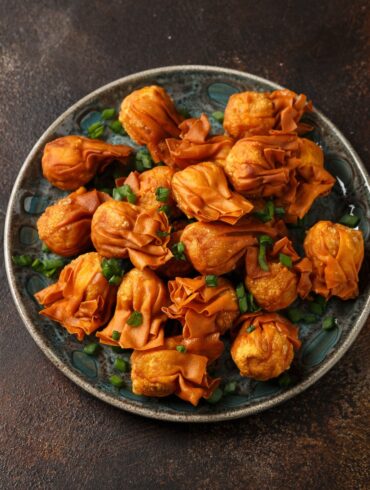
(196, 88)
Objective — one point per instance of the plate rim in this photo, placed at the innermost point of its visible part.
(129, 405)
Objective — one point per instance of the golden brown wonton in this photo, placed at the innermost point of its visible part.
(149, 116)
(165, 371)
(264, 346)
(120, 229)
(82, 299)
(201, 309)
(143, 292)
(251, 112)
(71, 161)
(336, 253)
(202, 192)
(65, 226)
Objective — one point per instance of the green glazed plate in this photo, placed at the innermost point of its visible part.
(197, 89)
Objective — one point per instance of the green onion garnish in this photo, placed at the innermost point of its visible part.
(269, 211)
(218, 116)
(285, 380)
(166, 209)
(329, 323)
(252, 307)
(108, 113)
(115, 280)
(216, 396)
(181, 348)
(116, 335)
(318, 306)
(49, 264)
(279, 212)
(45, 248)
(116, 381)
(285, 260)
(242, 298)
(162, 234)
(250, 329)
(95, 130)
(230, 387)
(143, 160)
(309, 318)
(243, 304)
(22, 260)
(240, 290)
(349, 220)
(135, 319)
(262, 258)
(112, 270)
(178, 250)
(121, 365)
(124, 192)
(116, 127)
(91, 349)
(265, 240)
(211, 281)
(117, 349)
(295, 315)
(162, 194)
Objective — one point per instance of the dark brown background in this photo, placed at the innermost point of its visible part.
(53, 435)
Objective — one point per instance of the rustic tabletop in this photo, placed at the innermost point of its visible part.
(53, 435)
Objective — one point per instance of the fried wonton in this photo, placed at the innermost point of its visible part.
(195, 145)
(82, 299)
(202, 309)
(264, 346)
(65, 226)
(165, 371)
(145, 185)
(70, 162)
(120, 229)
(278, 287)
(141, 292)
(336, 253)
(202, 192)
(215, 248)
(149, 117)
(253, 112)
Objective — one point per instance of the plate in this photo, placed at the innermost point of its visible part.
(198, 89)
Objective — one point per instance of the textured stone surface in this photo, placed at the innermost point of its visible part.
(53, 435)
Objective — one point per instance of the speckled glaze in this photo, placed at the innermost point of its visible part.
(198, 89)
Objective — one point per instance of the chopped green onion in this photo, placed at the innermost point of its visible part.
(45, 248)
(143, 160)
(49, 264)
(162, 234)
(112, 268)
(242, 298)
(216, 396)
(240, 290)
(107, 190)
(178, 250)
(135, 319)
(108, 113)
(166, 209)
(243, 304)
(115, 280)
(37, 265)
(116, 127)
(117, 349)
(121, 365)
(268, 212)
(116, 335)
(250, 329)
(318, 306)
(124, 192)
(279, 212)
(270, 209)
(329, 323)
(349, 220)
(265, 240)
(116, 381)
(285, 380)
(262, 258)
(218, 116)
(49, 272)
(230, 387)
(22, 260)
(162, 194)
(181, 348)
(91, 349)
(211, 281)
(295, 315)
(95, 130)
(309, 318)
(285, 260)
(252, 307)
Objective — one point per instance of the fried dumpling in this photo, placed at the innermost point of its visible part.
(165, 371)
(202, 192)
(202, 309)
(82, 299)
(149, 116)
(264, 346)
(70, 162)
(120, 229)
(65, 226)
(336, 253)
(140, 298)
(249, 112)
(195, 145)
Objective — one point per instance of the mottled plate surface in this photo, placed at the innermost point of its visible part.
(198, 89)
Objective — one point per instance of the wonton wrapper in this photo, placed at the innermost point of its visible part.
(71, 161)
(144, 292)
(120, 229)
(336, 253)
(195, 145)
(82, 299)
(215, 248)
(279, 287)
(176, 267)
(202, 192)
(149, 117)
(201, 309)
(145, 184)
(165, 371)
(250, 112)
(65, 226)
(268, 350)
